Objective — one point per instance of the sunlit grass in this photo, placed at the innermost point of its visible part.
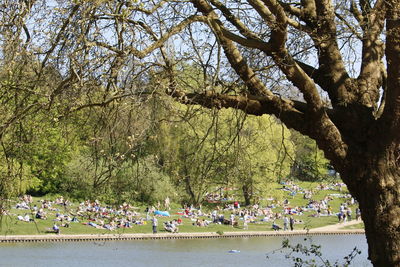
(11, 226)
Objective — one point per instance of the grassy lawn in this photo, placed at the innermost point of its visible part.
(11, 226)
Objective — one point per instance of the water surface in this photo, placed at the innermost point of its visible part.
(255, 251)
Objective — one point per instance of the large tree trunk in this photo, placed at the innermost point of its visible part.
(189, 189)
(381, 218)
(246, 194)
(375, 182)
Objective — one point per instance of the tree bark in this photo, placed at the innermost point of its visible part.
(381, 220)
(246, 195)
(189, 190)
(375, 182)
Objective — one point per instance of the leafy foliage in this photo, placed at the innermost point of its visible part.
(310, 163)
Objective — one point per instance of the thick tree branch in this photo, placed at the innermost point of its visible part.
(297, 25)
(331, 74)
(263, 11)
(370, 79)
(391, 114)
(365, 7)
(306, 13)
(284, 60)
(329, 56)
(323, 129)
(254, 105)
(356, 13)
(381, 107)
(279, 28)
(256, 87)
(252, 43)
(291, 10)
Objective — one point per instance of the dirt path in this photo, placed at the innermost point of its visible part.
(336, 227)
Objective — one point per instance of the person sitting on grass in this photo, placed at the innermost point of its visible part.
(265, 219)
(27, 218)
(198, 223)
(66, 224)
(275, 227)
(39, 215)
(170, 227)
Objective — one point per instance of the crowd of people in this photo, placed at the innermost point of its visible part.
(101, 216)
(90, 213)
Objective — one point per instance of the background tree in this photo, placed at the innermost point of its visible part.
(309, 163)
(261, 156)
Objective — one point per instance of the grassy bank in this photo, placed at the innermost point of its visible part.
(10, 225)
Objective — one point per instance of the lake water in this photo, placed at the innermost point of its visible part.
(257, 251)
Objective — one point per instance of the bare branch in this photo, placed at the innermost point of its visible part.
(60, 34)
(157, 44)
(148, 11)
(350, 27)
(391, 113)
(245, 31)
